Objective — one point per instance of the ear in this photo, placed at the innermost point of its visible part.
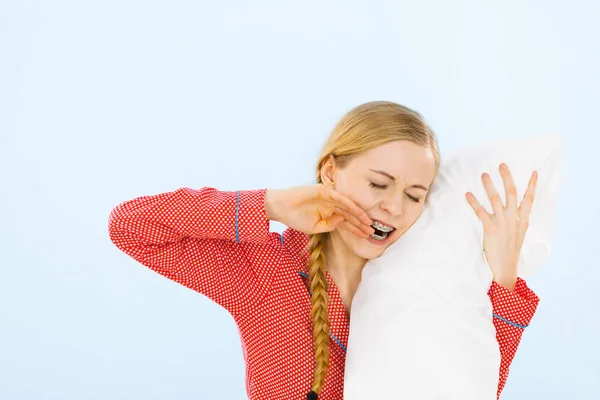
(328, 172)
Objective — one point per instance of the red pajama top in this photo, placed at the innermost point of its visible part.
(218, 243)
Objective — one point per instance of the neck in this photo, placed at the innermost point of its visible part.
(344, 266)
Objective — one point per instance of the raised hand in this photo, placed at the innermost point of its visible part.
(505, 229)
(317, 208)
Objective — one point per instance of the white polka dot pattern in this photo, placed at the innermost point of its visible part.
(516, 307)
(218, 243)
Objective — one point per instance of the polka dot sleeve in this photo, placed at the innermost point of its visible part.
(512, 313)
(200, 239)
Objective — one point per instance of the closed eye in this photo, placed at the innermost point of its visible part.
(381, 187)
(376, 186)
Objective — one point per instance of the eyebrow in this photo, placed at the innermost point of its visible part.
(394, 179)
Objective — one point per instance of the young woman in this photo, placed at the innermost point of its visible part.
(290, 293)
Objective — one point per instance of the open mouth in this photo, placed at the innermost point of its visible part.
(381, 231)
(380, 235)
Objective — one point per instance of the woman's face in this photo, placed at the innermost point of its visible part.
(390, 183)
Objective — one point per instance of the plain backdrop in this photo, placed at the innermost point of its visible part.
(104, 101)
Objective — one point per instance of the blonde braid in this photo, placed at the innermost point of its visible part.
(319, 299)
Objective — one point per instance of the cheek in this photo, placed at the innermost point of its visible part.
(416, 212)
(408, 222)
(366, 199)
(359, 191)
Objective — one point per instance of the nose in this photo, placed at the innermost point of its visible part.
(393, 205)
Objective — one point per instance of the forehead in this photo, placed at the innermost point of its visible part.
(407, 161)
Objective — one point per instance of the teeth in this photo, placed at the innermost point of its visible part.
(383, 228)
(377, 237)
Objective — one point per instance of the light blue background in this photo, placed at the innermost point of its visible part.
(104, 101)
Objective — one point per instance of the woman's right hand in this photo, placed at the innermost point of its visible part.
(315, 209)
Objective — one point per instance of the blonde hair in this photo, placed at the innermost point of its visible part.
(363, 128)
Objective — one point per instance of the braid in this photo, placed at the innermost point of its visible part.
(319, 300)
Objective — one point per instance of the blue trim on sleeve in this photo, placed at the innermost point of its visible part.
(281, 238)
(303, 274)
(509, 322)
(237, 211)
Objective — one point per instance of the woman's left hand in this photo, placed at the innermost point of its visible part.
(504, 230)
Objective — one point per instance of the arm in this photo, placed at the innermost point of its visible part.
(203, 239)
(513, 310)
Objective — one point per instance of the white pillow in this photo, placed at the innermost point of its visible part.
(421, 321)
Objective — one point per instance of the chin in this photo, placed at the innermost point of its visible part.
(363, 248)
(368, 251)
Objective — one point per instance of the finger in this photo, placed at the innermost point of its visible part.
(509, 189)
(347, 204)
(330, 223)
(493, 195)
(353, 229)
(481, 213)
(355, 221)
(528, 198)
